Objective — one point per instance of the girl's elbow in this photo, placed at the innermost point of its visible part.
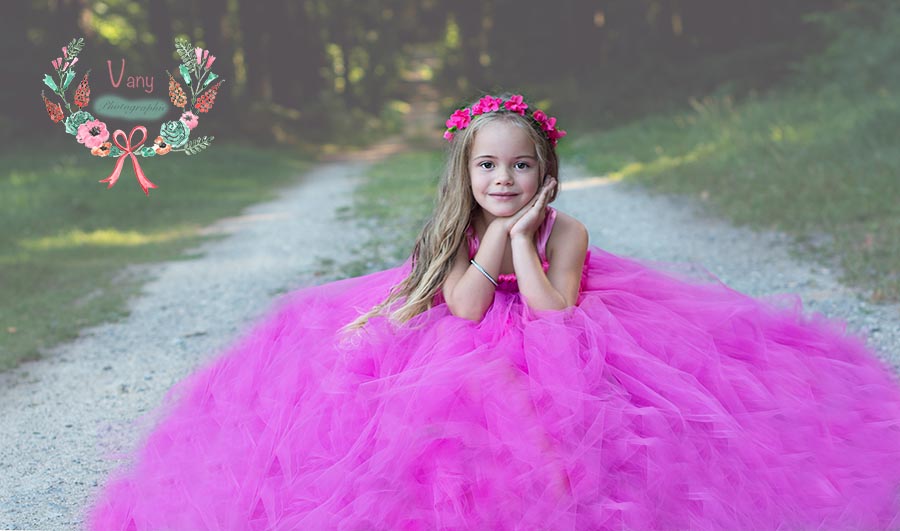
(553, 304)
(474, 318)
(471, 314)
(466, 311)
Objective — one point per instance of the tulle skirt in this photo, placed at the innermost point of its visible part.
(658, 402)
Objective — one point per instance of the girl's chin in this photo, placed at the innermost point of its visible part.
(497, 213)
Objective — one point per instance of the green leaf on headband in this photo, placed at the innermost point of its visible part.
(69, 77)
(209, 79)
(185, 74)
(197, 145)
(50, 83)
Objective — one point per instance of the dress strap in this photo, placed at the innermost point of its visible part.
(544, 233)
(472, 241)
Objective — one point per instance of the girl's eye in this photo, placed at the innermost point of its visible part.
(522, 165)
(486, 162)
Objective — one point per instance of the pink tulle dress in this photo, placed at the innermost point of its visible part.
(656, 403)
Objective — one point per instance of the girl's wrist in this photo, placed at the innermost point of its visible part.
(520, 238)
(501, 224)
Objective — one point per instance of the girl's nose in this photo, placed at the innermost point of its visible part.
(504, 177)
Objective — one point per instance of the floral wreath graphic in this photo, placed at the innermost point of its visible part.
(173, 136)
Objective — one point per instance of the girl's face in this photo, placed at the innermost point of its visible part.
(504, 169)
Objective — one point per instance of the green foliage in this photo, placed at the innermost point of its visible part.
(864, 47)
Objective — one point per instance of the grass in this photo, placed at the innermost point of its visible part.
(68, 242)
(820, 166)
(393, 202)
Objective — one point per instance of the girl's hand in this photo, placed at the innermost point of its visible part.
(528, 219)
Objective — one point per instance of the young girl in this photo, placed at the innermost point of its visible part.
(508, 377)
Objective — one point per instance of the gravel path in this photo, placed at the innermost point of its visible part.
(62, 415)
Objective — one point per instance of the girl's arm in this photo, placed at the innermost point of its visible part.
(559, 287)
(467, 292)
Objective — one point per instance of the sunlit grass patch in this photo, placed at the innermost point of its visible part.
(103, 238)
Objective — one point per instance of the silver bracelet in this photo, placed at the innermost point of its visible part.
(483, 272)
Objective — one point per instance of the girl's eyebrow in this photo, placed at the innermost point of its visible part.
(494, 157)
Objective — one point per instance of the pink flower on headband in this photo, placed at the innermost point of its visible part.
(555, 135)
(461, 118)
(515, 104)
(486, 104)
(548, 125)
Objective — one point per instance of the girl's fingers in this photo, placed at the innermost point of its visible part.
(545, 193)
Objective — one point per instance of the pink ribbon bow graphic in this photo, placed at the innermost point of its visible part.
(129, 150)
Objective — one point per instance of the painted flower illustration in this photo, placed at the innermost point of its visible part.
(53, 109)
(102, 150)
(176, 133)
(74, 121)
(92, 133)
(190, 119)
(160, 146)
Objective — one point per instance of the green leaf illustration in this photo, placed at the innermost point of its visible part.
(74, 48)
(69, 77)
(197, 145)
(186, 52)
(209, 79)
(185, 74)
(50, 83)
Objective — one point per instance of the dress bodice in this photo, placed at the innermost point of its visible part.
(507, 282)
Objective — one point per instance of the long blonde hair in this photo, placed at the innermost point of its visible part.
(440, 238)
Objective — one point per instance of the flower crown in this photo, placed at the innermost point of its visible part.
(461, 119)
